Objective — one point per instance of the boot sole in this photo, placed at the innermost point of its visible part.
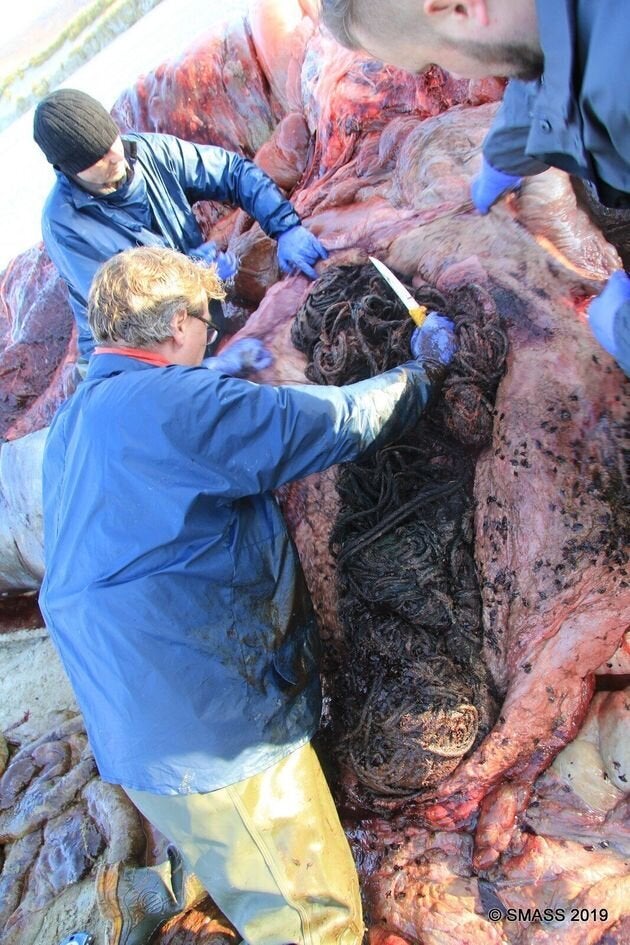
(107, 895)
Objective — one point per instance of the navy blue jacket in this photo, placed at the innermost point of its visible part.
(576, 117)
(172, 589)
(81, 231)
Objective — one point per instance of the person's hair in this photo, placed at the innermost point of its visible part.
(384, 18)
(337, 17)
(136, 293)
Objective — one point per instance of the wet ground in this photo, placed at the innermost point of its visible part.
(19, 613)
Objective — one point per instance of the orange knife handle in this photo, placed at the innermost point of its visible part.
(418, 314)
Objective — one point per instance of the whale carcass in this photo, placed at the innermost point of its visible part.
(475, 705)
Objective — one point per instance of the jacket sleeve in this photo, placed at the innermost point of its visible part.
(210, 173)
(254, 437)
(621, 336)
(505, 144)
(77, 261)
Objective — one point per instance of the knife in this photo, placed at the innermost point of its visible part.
(417, 312)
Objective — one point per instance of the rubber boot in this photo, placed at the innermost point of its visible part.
(137, 900)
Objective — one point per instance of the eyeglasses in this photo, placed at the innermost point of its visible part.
(211, 328)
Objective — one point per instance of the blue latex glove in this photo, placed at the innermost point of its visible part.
(434, 340)
(299, 249)
(227, 266)
(246, 354)
(226, 263)
(206, 253)
(604, 311)
(489, 184)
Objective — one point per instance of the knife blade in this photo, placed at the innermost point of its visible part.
(417, 312)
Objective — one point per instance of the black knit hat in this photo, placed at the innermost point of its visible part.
(73, 130)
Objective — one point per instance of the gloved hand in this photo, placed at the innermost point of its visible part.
(227, 266)
(299, 249)
(489, 184)
(226, 263)
(246, 354)
(603, 311)
(434, 340)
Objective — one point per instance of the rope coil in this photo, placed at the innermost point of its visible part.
(413, 693)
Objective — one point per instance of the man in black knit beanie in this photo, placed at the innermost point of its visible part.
(114, 192)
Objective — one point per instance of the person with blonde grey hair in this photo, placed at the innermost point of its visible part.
(565, 106)
(135, 300)
(175, 597)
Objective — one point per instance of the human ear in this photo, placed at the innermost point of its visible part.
(178, 325)
(464, 9)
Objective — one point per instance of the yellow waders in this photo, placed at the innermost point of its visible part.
(271, 852)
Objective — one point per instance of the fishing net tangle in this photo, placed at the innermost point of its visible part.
(413, 694)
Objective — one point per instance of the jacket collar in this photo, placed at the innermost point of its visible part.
(108, 364)
(78, 196)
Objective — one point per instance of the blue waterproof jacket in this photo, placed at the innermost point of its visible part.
(81, 231)
(576, 116)
(172, 589)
